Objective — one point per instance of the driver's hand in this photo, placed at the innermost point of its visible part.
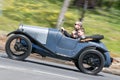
(62, 29)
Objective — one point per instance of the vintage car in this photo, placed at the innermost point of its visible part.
(89, 54)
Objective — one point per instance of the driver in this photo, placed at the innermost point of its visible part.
(78, 31)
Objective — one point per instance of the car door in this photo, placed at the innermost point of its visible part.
(66, 45)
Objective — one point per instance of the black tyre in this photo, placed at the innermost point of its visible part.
(18, 47)
(91, 61)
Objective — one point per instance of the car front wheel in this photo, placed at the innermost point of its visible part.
(18, 47)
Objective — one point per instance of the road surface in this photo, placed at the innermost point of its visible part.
(34, 69)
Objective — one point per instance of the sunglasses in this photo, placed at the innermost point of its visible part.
(77, 24)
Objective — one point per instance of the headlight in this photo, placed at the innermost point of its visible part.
(20, 27)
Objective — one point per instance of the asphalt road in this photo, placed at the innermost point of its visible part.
(34, 69)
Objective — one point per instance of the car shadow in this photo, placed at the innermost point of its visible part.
(52, 65)
(59, 67)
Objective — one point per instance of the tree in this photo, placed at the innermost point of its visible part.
(110, 4)
(84, 10)
(99, 3)
(62, 13)
(1, 2)
(80, 3)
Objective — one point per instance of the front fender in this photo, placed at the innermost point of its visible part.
(22, 33)
(17, 32)
(34, 41)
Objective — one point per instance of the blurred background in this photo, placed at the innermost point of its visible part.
(101, 17)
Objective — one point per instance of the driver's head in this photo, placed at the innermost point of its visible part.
(78, 25)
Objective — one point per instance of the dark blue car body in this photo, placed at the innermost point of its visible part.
(51, 42)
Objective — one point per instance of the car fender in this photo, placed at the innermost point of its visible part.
(32, 40)
(105, 53)
(18, 32)
(22, 33)
(90, 47)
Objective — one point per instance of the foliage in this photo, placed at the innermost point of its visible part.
(45, 13)
(106, 23)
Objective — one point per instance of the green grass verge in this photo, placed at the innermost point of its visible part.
(45, 13)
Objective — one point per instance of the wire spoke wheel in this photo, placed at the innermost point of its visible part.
(18, 47)
(91, 61)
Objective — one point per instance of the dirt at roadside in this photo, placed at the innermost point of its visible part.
(2, 41)
(114, 68)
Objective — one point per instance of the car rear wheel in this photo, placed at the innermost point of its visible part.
(18, 47)
(91, 61)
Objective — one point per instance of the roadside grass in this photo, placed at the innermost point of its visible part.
(106, 23)
(7, 24)
(45, 13)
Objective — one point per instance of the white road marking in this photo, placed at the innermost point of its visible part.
(35, 71)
